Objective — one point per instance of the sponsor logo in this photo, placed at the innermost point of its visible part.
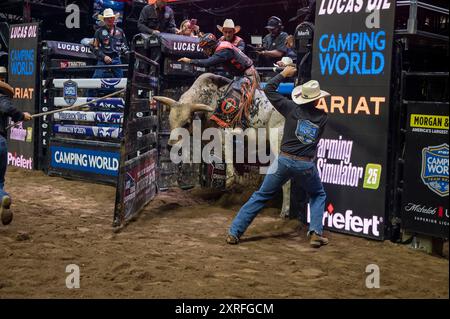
(70, 92)
(71, 64)
(112, 132)
(109, 117)
(306, 131)
(71, 116)
(303, 33)
(186, 47)
(434, 172)
(434, 124)
(176, 66)
(421, 209)
(430, 215)
(23, 93)
(22, 62)
(73, 47)
(98, 162)
(335, 166)
(23, 32)
(372, 176)
(349, 222)
(20, 161)
(332, 7)
(352, 105)
(112, 103)
(18, 133)
(109, 83)
(334, 163)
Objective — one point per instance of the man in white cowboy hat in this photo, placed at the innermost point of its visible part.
(156, 18)
(7, 109)
(229, 31)
(109, 44)
(302, 130)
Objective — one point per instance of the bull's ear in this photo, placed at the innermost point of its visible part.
(198, 107)
(166, 100)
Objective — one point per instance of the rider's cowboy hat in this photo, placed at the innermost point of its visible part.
(308, 92)
(6, 89)
(229, 24)
(108, 13)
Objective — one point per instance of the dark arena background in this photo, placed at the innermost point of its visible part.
(101, 210)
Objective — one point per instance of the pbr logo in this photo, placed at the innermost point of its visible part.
(306, 131)
(70, 89)
(435, 168)
(109, 83)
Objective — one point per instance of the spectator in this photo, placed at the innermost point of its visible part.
(229, 31)
(189, 28)
(109, 43)
(274, 43)
(156, 18)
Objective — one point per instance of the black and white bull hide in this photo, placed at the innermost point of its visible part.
(203, 95)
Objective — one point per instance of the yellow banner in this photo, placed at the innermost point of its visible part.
(429, 121)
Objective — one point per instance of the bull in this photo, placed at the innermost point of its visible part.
(203, 96)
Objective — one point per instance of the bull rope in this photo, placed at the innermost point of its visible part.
(68, 108)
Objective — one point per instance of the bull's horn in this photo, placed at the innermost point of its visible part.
(198, 107)
(165, 100)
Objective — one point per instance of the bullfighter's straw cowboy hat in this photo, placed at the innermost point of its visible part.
(308, 92)
(108, 13)
(229, 24)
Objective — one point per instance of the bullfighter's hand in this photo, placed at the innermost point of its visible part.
(107, 60)
(289, 71)
(185, 60)
(26, 116)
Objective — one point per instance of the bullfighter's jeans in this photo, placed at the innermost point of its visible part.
(3, 165)
(306, 175)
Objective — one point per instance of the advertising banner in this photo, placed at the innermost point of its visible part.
(97, 131)
(23, 71)
(425, 191)
(179, 45)
(140, 183)
(352, 60)
(100, 117)
(85, 160)
(111, 104)
(67, 49)
(138, 168)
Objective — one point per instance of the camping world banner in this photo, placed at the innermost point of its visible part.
(352, 60)
(22, 76)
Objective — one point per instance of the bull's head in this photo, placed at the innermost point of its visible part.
(181, 114)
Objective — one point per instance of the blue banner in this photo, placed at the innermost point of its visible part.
(84, 160)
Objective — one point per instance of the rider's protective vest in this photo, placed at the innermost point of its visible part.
(239, 63)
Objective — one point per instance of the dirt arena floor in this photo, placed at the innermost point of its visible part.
(176, 249)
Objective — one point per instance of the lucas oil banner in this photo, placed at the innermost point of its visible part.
(425, 192)
(23, 71)
(352, 60)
